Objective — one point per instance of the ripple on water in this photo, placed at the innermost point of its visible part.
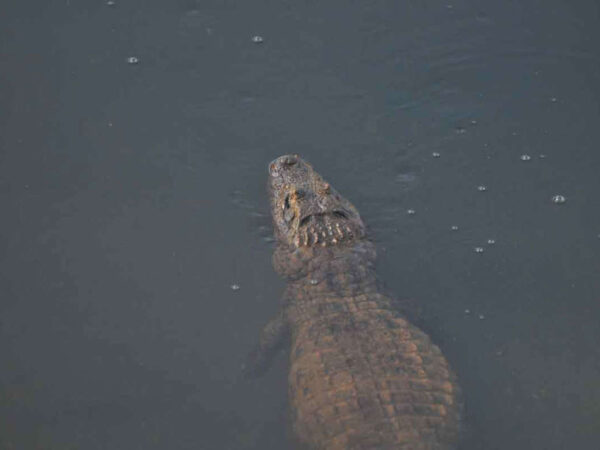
(407, 181)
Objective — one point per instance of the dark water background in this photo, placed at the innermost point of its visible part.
(133, 198)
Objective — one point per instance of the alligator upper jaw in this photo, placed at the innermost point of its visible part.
(336, 215)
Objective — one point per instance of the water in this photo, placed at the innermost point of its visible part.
(134, 200)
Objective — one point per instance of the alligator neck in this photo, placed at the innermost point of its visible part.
(333, 272)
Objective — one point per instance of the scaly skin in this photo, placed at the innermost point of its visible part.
(361, 376)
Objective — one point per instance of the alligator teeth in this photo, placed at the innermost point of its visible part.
(323, 233)
(313, 234)
(339, 230)
(315, 237)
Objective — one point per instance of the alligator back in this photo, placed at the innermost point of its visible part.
(364, 378)
(361, 376)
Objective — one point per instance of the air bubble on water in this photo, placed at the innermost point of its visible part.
(553, 99)
(111, 3)
(460, 130)
(542, 156)
(559, 199)
(235, 287)
(410, 212)
(491, 241)
(436, 155)
(478, 249)
(482, 188)
(481, 317)
(525, 157)
(454, 227)
(133, 60)
(467, 311)
(258, 39)
(473, 122)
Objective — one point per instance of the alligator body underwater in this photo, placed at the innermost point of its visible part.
(361, 376)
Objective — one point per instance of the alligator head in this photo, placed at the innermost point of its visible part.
(307, 211)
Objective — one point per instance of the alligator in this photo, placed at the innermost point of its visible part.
(361, 376)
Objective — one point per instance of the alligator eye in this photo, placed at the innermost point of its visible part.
(304, 221)
(288, 215)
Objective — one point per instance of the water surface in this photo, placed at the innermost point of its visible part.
(133, 195)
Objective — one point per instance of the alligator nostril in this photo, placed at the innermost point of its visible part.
(290, 160)
(283, 162)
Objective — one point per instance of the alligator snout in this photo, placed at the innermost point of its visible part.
(283, 162)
